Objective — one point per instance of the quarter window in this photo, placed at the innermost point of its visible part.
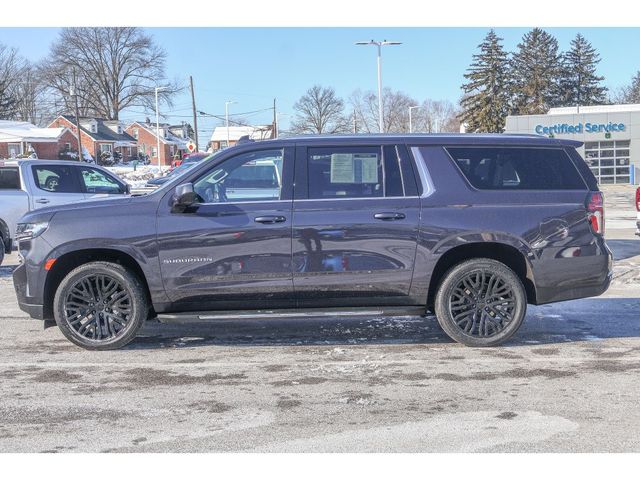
(506, 168)
(250, 177)
(353, 172)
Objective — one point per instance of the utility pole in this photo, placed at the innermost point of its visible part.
(355, 123)
(195, 117)
(75, 97)
(274, 134)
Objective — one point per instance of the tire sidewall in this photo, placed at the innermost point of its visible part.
(139, 304)
(451, 280)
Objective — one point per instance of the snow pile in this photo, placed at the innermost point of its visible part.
(137, 178)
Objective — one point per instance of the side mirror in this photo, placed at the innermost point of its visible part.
(183, 197)
(127, 189)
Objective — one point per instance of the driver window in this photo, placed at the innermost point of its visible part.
(250, 177)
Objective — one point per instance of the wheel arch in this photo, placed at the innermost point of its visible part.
(6, 236)
(505, 253)
(71, 260)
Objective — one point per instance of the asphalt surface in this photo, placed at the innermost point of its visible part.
(567, 382)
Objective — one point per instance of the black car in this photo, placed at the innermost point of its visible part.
(472, 227)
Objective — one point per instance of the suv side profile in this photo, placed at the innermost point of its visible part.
(471, 227)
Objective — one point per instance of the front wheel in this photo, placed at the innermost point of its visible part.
(480, 303)
(100, 306)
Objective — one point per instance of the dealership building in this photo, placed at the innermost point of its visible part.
(610, 133)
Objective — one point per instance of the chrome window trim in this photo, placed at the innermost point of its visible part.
(423, 172)
(351, 198)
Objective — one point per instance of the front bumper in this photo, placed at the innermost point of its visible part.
(33, 306)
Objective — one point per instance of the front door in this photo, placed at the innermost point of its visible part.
(233, 248)
(355, 226)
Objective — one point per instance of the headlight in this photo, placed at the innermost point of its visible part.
(27, 231)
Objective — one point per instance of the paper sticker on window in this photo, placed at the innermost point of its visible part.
(369, 168)
(342, 170)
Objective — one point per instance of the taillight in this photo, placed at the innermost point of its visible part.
(638, 199)
(595, 210)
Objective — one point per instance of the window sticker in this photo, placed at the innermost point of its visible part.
(342, 168)
(369, 168)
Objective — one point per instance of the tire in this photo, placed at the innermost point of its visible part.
(92, 321)
(466, 314)
(2, 247)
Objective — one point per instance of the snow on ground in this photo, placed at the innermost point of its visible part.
(137, 177)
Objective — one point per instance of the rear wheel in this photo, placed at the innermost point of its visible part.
(2, 247)
(480, 303)
(100, 306)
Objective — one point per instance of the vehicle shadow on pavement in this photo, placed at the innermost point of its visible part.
(577, 321)
(6, 272)
(624, 249)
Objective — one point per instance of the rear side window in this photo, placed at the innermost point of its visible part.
(9, 178)
(519, 168)
(55, 178)
(353, 172)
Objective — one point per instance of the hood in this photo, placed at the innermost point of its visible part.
(67, 207)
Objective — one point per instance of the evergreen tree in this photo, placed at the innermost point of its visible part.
(579, 83)
(485, 104)
(536, 69)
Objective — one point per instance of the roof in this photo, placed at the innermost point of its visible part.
(11, 131)
(631, 107)
(169, 138)
(104, 134)
(449, 139)
(255, 132)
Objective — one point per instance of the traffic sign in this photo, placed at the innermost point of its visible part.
(191, 146)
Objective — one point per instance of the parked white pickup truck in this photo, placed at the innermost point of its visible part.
(26, 185)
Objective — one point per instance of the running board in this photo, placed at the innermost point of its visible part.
(301, 313)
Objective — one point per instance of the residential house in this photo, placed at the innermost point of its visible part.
(100, 136)
(23, 139)
(254, 132)
(173, 141)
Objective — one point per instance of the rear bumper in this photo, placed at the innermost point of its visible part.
(588, 275)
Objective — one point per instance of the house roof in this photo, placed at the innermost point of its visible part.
(104, 133)
(11, 131)
(169, 138)
(257, 132)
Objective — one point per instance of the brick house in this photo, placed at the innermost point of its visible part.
(173, 141)
(255, 132)
(100, 136)
(22, 139)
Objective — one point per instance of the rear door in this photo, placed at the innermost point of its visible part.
(53, 184)
(355, 224)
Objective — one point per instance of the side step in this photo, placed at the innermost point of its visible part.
(301, 313)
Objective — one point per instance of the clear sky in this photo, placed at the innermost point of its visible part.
(253, 65)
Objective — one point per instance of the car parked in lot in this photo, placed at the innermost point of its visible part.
(188, 162)
(472, 227)
(27, 185)
(638, 210)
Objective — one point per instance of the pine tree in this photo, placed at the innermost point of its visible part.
(485, 104)
(536, 69)
(579, 83)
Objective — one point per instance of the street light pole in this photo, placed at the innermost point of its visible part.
(379, 45)
(410, 120)
(226, 116)
(158, 89)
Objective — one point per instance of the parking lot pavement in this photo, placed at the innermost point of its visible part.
(568, 381)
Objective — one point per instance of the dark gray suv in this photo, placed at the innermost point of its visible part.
(472, 227)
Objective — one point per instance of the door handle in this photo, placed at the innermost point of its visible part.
(270, 219)
(42, 200)
(389, 216)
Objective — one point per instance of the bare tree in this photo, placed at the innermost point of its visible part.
(115, 68)
(395, 110)
(436, 116)
(319, 110)
(10, 66)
